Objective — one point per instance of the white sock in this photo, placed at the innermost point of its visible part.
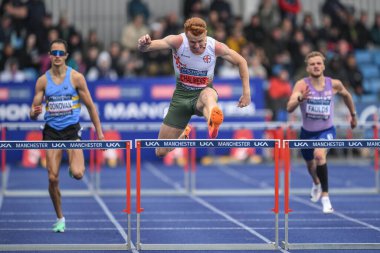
(326, 200)
(61, 219)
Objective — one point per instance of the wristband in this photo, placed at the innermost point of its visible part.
(299, 99)
(353, 114)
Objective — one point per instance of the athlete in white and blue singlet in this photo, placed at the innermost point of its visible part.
(315, 96)
(194, 57)
(63, 89)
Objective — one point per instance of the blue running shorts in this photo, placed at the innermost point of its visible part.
(326, 134)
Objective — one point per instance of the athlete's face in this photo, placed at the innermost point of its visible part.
(315, 66)
(197, 43)
(58, 54)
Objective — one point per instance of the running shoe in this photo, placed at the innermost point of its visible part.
(316, 192)
(327, 208)
(59, 227)
(214, 122)
(186, 132)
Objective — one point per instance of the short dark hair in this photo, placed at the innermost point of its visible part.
(59, 41)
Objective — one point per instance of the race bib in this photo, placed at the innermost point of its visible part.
(318, 109)
(59, 106)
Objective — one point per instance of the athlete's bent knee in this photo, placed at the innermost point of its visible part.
(319, 158)
(53, 179)
(160, 152)
(78, 175)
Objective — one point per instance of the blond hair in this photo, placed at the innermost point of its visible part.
(314, 54)
(196, 26)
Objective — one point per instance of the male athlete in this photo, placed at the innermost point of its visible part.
(194, 57)
(315, 96)
(63, 89)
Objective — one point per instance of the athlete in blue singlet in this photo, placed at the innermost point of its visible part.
(64, 90)
(315, 96)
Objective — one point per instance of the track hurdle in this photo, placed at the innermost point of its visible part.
(368, 128)
(310, 144)
(92, 145)
(222, 143)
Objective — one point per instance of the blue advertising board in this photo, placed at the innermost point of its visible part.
(139, 102)
(133, 100)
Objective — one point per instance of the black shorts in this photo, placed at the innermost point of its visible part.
(70, 133)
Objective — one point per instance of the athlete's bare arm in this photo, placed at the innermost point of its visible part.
(39, 93)
(339, 88)
(80, 84)
(300, 93)
(234, 58)
(146, 44)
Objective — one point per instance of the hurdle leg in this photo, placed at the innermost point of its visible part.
(193, 170)
(186, 177)
(138, 194)
(376, 159)
(286, 194)
(128, 192)
(3, 162)
(276, 190)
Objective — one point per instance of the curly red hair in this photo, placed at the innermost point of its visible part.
(196, 26)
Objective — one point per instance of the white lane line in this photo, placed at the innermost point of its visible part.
(242, 177)
(165, 220)
(187, 228)
(4, 183)
(47, 213)
(47, 200)
(152, 169)
(166, 179)
(236, 199)
(365, 212)
(343, 216)
(49, 220)
(110, 216)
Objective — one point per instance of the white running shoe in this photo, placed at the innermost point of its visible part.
(316, 192)
(327, 208)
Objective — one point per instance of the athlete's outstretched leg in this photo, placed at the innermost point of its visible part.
(208, 106)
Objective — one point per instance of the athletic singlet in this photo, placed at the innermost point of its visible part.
(318, 110)
(193, 71)
(62, 102)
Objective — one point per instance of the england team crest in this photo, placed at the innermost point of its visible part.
(207, 58)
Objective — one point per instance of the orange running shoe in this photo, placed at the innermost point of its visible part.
(215, 120)
(186, 132)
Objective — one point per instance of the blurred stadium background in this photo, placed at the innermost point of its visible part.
(132, 90)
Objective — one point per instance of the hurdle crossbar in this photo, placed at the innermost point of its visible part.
(311, 144)
(222, 143)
